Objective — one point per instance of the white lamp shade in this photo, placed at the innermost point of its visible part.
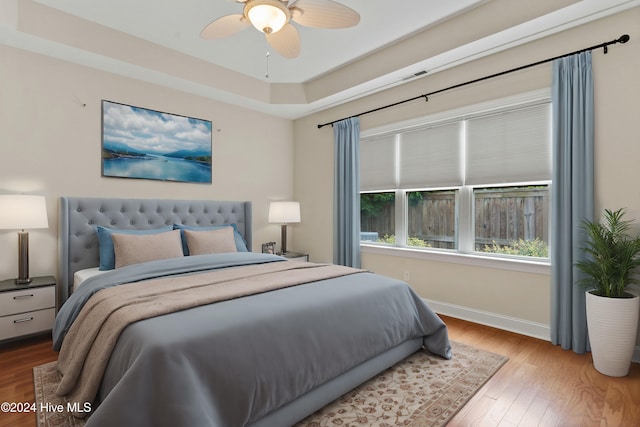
(284, 212)
(23, 211)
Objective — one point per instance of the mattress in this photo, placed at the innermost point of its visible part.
(81, 275)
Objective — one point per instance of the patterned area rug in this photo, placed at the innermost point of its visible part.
(421, 391)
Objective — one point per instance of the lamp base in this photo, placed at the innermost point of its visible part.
(23, 258)
(283, 239)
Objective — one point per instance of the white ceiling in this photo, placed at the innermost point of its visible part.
(176, 25)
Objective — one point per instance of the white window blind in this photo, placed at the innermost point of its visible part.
(431, 156)
(378, 163)
(512, 146)
(497, 148)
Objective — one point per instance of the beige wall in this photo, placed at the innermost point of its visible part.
(520, 297)
(51, 146)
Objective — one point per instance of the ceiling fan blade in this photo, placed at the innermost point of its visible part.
(323, 14)
(225, 26)
(286, 41)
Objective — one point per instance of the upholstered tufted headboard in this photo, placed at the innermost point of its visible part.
(79, 217)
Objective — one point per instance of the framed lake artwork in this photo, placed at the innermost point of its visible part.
(148, 144)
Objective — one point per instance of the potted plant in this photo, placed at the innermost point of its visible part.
(612, 311)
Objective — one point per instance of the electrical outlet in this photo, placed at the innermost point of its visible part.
(407, 276)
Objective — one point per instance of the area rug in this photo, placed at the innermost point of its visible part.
(421, 391)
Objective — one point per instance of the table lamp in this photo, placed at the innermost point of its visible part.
(22, 212)
(284, 213)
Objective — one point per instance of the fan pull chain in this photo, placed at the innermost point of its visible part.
(267, 73)
(266, 45)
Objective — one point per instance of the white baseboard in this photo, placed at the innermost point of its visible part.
(511, 324)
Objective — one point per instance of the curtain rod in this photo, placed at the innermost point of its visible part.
(623, 39)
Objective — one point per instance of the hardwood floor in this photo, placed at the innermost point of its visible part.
(543, 385)
(540, 385)
(16, 375)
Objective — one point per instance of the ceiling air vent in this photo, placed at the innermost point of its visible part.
(415, 75)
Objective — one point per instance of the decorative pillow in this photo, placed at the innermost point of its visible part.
(241, 246)
(210, 241)
(137, 248)
(107, 255)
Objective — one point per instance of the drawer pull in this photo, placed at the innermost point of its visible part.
(26, 319)
(23, 296)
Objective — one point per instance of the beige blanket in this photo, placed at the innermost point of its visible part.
(88, 345)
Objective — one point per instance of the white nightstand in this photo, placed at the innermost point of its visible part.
(296, 256)
(27, 309)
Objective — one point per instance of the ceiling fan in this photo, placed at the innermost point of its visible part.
(273, 18)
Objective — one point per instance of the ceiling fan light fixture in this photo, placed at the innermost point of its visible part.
(268, 16)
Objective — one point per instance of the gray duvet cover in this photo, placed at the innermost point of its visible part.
(231, 363)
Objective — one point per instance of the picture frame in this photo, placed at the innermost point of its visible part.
(148, 144)
(269, 248)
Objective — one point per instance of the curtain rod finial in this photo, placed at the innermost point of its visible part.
(624, 38)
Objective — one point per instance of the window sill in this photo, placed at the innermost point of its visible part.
(520, 265)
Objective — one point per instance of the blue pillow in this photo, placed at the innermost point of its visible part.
(107, 253)
(241, 245)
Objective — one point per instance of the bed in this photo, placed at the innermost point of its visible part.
(236, 338)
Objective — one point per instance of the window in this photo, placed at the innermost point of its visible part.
(512, 220)
(377, 217)
(431, 219)
(477, 182)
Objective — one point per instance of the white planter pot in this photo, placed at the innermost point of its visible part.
(613, 325)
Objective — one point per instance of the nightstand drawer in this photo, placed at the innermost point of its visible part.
(25, 300)
(26, 323)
